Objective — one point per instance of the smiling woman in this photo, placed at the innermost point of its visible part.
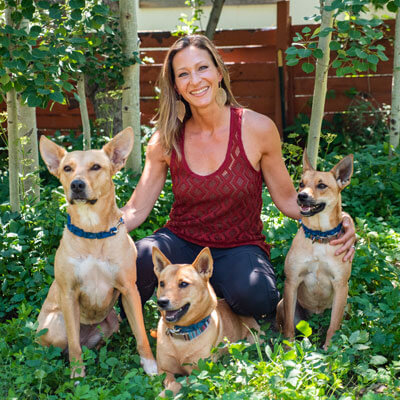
(218, 154)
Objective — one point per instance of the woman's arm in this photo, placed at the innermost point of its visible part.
(149, 186)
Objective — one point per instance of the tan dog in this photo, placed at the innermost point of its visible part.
(90, 273)
(316, 279)
(192, 320)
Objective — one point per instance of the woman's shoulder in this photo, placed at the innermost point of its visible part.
(258, 124)
(155, 149)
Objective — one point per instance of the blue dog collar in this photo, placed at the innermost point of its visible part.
(322, 237)
(93, 235)
(191, 331)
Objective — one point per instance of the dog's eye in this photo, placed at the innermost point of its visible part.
(301, 185)
(67, 168)
(183, 285)
(162, 284)
(95, 167)
(321, 186)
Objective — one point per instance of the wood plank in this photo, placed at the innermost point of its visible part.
(226, 37)
(182, 3)
(375, 84)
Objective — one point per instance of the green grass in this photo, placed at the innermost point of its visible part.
(362, 363)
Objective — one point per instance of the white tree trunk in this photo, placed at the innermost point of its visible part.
(131, 88)
(29, 160)
(320, 87)
(84, 111)
(27, 133)
(395, 113)
(13, 142)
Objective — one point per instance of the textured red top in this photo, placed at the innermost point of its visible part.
(221, 209)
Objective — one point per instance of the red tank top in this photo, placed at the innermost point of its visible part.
(221, 209)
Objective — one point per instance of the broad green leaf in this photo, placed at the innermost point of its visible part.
(4, 79)
(76, 15)
(291, 50)
(306, 30)
(336, 64)
(361, 53)
(373, 59)
(307, 67)
(391, 6)
(57, 96)
(378, 360)
(304, 328)
(34, 100)
(334, 45)
(318, 53)
(292, 62)
(35, 31)
(303, 53)
(77, 4)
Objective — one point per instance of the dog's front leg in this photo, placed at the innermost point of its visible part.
(71, 313)
(170, 384)
(289, 304)
(133, 309)
(339, 303)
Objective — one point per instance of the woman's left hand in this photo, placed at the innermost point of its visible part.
(347, 240)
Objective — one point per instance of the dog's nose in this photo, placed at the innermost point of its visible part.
(78, 185)
(302, 196)
(162, 302)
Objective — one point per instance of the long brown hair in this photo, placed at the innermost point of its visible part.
(166, 119)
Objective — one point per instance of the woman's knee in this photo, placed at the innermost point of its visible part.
(258, 298)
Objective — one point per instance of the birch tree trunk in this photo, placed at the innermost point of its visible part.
(395, 113)
(29, 163)
(320, 86)
(84, 111)
(27, 133)
(131, 87)
(214, 18)
(13, 145)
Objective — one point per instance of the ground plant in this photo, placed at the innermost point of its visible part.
(363, 361)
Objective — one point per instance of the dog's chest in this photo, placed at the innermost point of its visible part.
(95, 277)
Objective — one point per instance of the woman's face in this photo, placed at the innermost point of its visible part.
(196, 76)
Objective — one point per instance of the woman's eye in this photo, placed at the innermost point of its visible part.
(182, 74)
(203, 67)
(183, 285)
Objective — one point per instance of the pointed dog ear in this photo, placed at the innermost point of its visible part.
(159, 261)
(52, 155)
(203, 263)
(343, 171)
(119, 148)
(306, 162)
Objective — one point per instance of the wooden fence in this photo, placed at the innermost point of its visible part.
(259, 80)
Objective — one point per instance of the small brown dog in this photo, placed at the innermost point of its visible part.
(96, 259)
(316, 278)
(192, 320)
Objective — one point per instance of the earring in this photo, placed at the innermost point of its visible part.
(221, 97)
(180, 109)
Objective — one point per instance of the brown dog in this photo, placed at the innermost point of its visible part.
(96, 259)
(316, 279)
(192, 320)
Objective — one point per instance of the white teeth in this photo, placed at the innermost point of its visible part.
(199, 91)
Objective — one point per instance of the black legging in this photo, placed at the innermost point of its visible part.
(242, 275)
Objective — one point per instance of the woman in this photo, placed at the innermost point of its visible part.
(218, 155)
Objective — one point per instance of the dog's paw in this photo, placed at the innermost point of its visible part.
(149, 366)
(78, 372)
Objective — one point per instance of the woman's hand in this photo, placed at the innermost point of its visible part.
(347, 240)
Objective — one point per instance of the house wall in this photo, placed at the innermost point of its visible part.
(232, 17)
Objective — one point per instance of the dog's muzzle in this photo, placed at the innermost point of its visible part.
(78, 192)
(172, 315)
(308, 206)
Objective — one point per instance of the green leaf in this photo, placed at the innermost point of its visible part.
(34, 101)
(325, 32)
(343, 26)
(307, 67)
(4, 79)
(291, 50)
(77, 4)
(378, 360)
(35, 31)
(373, 59)
(292, 62)
(76, 15)
(304, 328)
(318, 53)
(336, 64)
(361, 54)
(303, 53)
(306, 30)
(391, 6)
(57, 96)
(44, 4)
(334, 45)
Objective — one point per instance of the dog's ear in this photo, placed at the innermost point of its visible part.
(306, 162)
(159, 261)
(52, 154)
(204, 263)
(343, 171)
(119, 148)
